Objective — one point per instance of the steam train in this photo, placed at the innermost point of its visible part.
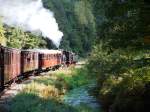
(16, 63)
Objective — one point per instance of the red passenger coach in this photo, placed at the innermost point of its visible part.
(29, 61)
(15, 62)
(9, 64)
(49, 59)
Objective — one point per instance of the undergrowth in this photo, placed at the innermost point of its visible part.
(44, 93)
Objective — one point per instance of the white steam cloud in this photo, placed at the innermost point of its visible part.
(31, 16)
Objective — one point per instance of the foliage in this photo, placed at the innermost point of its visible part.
(17, 38)
(120, 58)
(78, 78)
(44, 93)
(2, 37)
(33, 103)
(123, 79)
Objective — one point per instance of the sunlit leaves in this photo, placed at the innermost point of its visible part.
(2, 37)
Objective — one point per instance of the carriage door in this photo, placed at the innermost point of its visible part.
(1, 68)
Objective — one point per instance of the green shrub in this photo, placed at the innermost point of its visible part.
(123, 79)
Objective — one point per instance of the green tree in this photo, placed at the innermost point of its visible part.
(2, 37)
(120, 58)
(17, 38)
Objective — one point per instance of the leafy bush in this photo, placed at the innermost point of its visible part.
(123, 79)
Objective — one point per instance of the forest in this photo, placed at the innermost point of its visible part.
(113, 35)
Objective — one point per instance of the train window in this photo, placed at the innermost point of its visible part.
(5, 55)
(28, 59)
(12, 57)
(0, 56)
(33, 56)
(49, 56)
(9, 58)
(42, 56)
(24, 55)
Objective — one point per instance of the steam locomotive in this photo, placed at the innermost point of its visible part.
(15, 63)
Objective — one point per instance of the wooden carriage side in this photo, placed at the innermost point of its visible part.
(1, 68)
(29, 61)
(9, 65)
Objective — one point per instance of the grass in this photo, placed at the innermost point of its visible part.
(77, 78)
(44, 93)
(29, 102)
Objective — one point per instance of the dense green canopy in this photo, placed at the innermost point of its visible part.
(121, 56)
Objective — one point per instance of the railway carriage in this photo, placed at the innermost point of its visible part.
(9, 65)
(49, 59)
(29, 61)
(16, 63)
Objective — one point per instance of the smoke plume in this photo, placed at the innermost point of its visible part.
(31, 16)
